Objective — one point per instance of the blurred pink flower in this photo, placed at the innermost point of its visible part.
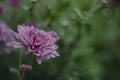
(25, 68)
(38, 42)
(1, 8)
(14, 3)
(6, 36)
(113, 2)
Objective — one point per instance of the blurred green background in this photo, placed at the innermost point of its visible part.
(89, 44)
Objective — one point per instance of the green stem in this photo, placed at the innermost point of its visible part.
(20, 62)
(20, 57)
(22, 76)
(30, 59)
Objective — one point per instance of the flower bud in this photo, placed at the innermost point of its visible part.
(32, 23)
(25, 68)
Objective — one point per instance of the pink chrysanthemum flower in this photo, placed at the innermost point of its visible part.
(6, 36)
(38, 42)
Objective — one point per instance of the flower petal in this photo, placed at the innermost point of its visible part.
(38, 60)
